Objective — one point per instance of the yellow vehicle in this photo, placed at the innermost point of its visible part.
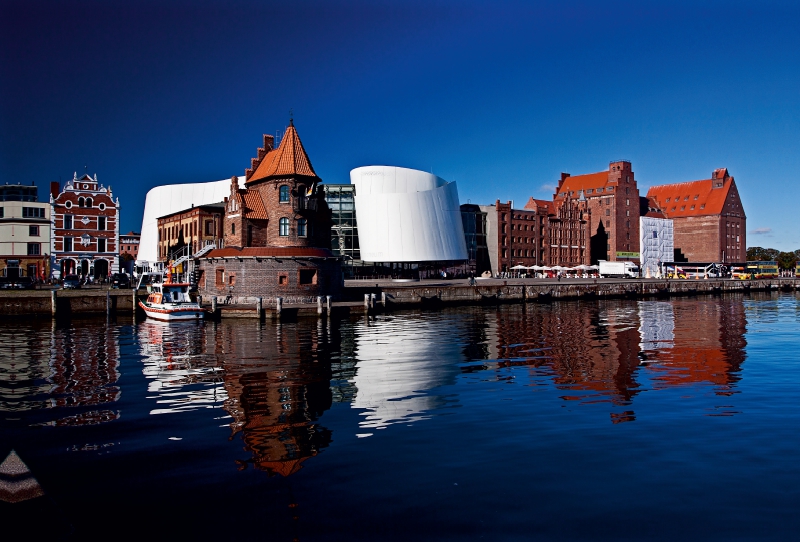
(760, 270)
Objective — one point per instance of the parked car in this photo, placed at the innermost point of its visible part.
(16, 283)
(120, 280)
(71, 282)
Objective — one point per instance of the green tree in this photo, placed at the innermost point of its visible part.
(787, 260)
(762, 254)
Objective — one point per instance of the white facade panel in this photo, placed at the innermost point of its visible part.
(656, 244)
(405, 215)
(167, 199)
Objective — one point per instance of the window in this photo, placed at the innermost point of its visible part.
(219, 277)
(33, 231)
(68, 204)
(232, 279)
(691, 208)
(627, 202)
(88, 202)
(655, 235)
(34, 249)
(610, 188)
(67, 222)
(307, 276)
(102, 206)
(608, 223)
(233, 229)
(284, 193)
(697, 196)
(67, 244)
(627, 213)
(209, 227)
(101, 222)
(2, 212)
(683, 207)
(686, 198)
(33, 212)
(608, 212)
(101, 245)
(301, 227)
(283, 280)
(703, 206)
(81, 202)
(283, 227)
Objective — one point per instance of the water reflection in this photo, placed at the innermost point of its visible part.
(271, 384)
(66, 375)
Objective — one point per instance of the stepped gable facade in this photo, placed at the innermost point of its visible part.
(276, 232)
(708, 217)
(612, 199)
(85, 228)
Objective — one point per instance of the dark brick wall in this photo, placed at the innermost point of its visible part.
(247, 278)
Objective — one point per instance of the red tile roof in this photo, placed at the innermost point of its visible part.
(591, 181)
(277, 252)
(536, 204)
(289, 158)
(695, 198)
(254, 204)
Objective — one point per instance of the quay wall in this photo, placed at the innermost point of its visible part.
(43, 303)
(67, 303)
(471, 295)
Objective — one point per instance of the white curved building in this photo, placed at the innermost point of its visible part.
(171, 198)
(405, 215)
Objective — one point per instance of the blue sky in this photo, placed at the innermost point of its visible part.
(500, 97)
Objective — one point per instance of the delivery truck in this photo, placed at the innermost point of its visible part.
(618, 269)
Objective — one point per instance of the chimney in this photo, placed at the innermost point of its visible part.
(55, 189)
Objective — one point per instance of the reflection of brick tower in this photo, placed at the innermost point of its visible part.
(276, 395)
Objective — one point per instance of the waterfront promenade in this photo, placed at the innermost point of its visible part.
(380, 295)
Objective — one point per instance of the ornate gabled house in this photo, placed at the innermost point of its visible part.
(85, 228)
(276, 231)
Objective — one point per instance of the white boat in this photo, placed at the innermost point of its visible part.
(170, 302)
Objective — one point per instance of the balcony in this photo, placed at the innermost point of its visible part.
(306, 204)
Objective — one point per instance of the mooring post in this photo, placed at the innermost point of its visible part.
(134, 303)
(214, 306)
(366, 301)
(328, 303)
(108, 302)
(319, 304)
(383, 299)
(371, 301)
(53, 302)
(278, 305)
(259, 303)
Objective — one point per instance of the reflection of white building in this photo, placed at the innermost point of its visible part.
(656, 325)
(399, 362)
(168, 199)
(656, 244)
(405, 215)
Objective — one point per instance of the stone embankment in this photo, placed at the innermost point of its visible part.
(369, 296)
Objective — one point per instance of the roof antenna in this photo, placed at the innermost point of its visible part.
(291, 117)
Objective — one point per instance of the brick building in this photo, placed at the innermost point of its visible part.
(24, 233)
(708, 218)
(512, 236)
(276, 231)
(612, 199)
(85, 228)
(195, 228)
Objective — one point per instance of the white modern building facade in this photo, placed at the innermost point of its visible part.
(406, 215)
(656, 244)
(167, 199)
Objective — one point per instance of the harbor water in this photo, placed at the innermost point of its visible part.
(581, 420)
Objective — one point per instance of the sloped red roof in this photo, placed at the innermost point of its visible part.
(254, 204)
(535, 204)
(591, 181)
(289, 158)
(695, 198)
(277, 252)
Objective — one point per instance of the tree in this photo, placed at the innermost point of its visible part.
(787, 260)
(762, 254)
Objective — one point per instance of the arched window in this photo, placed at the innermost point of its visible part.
(284, 193)
(284, 227)
(81, 202)
(88, 202)
(301, 227)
